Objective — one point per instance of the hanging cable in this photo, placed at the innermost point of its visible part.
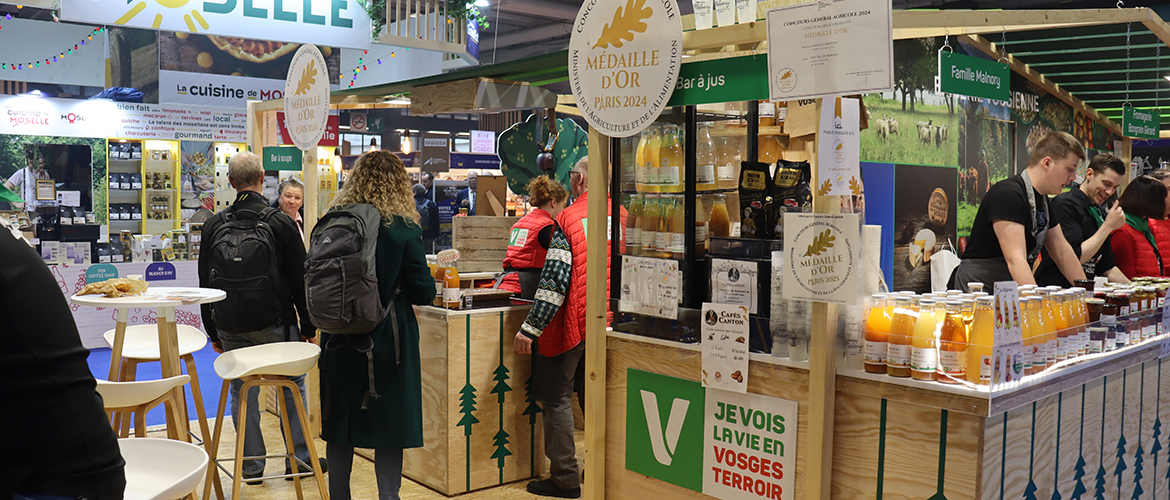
(1003, 46)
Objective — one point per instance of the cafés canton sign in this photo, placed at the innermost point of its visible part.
(306, 97)
(624, 58)
(338, 23)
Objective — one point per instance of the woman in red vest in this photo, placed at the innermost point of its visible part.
(530, 237)
(1136, 245)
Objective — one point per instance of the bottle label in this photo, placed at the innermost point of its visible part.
(649, 241)
(668, 176)
(1028, 354)
(1122, 337)
(1161, 302)
(1054, 352)
(985, 368)
(705, 174)
(1147, 332)
(735, 230)
(923, 359)
(634, 236)
(663, 242)
(701, 234)
(898, 355)
(875, 352)
(1124, 311)
(451, 294)
(678, 243)
(767, 109)
(1095, 346)
(953, 363)
(1108, 320)
(726, 172)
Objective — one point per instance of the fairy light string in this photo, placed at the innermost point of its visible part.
(362, 67)
(36, 63)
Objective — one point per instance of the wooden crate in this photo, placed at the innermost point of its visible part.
(482, 242)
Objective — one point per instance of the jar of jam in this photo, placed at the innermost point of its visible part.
(1146, 293)
(1121, 299)
(1086, 284)
(1110, 321)
(1094, 306)
(1149, 327)
(1097, 338)
(1160, 295)
(1133, 331)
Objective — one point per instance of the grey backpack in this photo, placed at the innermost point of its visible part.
(341, 282)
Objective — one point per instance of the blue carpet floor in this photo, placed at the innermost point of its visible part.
(209, 383)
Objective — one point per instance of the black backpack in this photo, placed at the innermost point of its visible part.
(245, 264)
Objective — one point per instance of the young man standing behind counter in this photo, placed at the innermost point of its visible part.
(1014, 221)
(1086, 224)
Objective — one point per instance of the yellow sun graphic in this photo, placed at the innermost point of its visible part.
(158, 18)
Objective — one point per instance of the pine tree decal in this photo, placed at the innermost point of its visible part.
(1120, 469)
(1030, 491)
(531, 410)
(1079, 489)
(1137, 455)
(467, 407)
(1056, 476)
(1099, 490)
(501, 442)
(501, 383)
(1157, 446)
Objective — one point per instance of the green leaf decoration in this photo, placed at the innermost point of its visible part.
(519, 145)
(821, 242)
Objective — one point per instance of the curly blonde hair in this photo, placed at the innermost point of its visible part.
(380, 179)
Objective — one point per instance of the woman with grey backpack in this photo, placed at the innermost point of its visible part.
(370, 380)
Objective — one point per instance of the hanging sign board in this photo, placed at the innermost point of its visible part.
(830, 48)
(823, 258)
(1140, 123)
(721, 80)
(306, 97)
(624, 58)
(839, 146)
(436, 152)
(282, 158)
(339, 23)
(972, 76)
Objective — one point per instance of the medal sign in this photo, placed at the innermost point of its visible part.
(624, 58)
(306, 97)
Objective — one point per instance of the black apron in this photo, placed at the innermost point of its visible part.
(990, 270)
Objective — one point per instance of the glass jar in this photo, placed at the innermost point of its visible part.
(1086, 284)
(1095, 307)
(1097, 338)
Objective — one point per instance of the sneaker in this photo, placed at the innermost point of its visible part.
(248, 476)
(546, 488)
(324, 469)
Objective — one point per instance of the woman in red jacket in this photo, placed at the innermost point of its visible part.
(1136, 245)
(531, 236)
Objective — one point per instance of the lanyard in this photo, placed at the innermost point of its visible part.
(1039, 231)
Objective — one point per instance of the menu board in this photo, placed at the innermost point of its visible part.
(650, 286)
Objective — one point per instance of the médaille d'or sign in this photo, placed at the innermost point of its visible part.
(624, 58)
(306, 97)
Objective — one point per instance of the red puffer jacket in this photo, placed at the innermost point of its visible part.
(1133, 253)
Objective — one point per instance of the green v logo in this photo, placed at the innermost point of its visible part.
(664, 441)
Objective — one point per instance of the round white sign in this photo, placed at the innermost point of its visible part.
(624, 58)
(306, 97)
(822, 258)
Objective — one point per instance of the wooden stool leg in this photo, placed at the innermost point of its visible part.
(129, 372)
(212, 447)
(288, 437)
(197, 393)
(237, 476)
(315, 463)
(139, 422)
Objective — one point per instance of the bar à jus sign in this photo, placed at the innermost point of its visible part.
(624, 58)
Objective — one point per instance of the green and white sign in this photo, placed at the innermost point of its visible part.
(1141, 123)
(719, 443)
(282, 158)
(721, 80)
(972, 76)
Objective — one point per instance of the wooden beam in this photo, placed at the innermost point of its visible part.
(724, 36)
(596, 299)
(924, 23)
(568, 110)
(1038, 78)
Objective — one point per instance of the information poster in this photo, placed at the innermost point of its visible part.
(830, 48)
(823, 258)
(733, 282)
(1008, 362)
(725, 349)
(838, 156)
(650, 286)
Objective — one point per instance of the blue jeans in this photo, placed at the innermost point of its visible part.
(254, 440)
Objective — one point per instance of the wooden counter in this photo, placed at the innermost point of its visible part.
(895, 438)
(480, 428)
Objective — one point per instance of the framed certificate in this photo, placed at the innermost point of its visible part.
(46, 190)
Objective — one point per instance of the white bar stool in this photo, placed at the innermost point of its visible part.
(161, 469)
(265, 365)
(140, 345)
(137, 398)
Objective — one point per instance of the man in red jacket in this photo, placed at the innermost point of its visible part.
(556, 325)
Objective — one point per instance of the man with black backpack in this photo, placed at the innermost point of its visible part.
(255, 253)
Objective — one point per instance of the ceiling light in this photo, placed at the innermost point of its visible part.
(482, 3)
(1166, 77)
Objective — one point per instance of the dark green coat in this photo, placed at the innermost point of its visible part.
(395, 420)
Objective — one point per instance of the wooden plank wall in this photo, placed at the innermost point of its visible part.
(482, 242)
(480, 428)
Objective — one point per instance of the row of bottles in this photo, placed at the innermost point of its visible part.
(658, 159)
(655, 224)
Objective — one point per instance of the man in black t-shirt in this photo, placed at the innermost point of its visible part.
(1087, 224)
(1014, 221)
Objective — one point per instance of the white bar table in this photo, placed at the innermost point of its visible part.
(163, 300)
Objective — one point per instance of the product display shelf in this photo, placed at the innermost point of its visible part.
(117, 196)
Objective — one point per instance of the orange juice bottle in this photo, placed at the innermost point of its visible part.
(1058, 344)
(877, 334)
(1046, 309)
(980, 337)
(1081, 314)
(704, 159)
(901, 332)
(640, 170)
(952, 349)
(670, 161)
(651, 211)
(678, 242)
(451, 298)
(651, 157)
(719, 225)
(924, 350)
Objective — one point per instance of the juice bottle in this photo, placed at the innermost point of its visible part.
(678, 242)
(451, 298)
(649, 221)
(980, 337)
(652, 160)
(1060, 316)
(663, 248)
(633, 226)
(952, 349)
(629, 164)
(1028, 332)
(702, 206)
(719, 225)
(640, 170)
(924, 354)
(705, 159)
(729, 153)
(670, 161)
(1081, 313)
(968, 311)
(901, 331)
(877, 333)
